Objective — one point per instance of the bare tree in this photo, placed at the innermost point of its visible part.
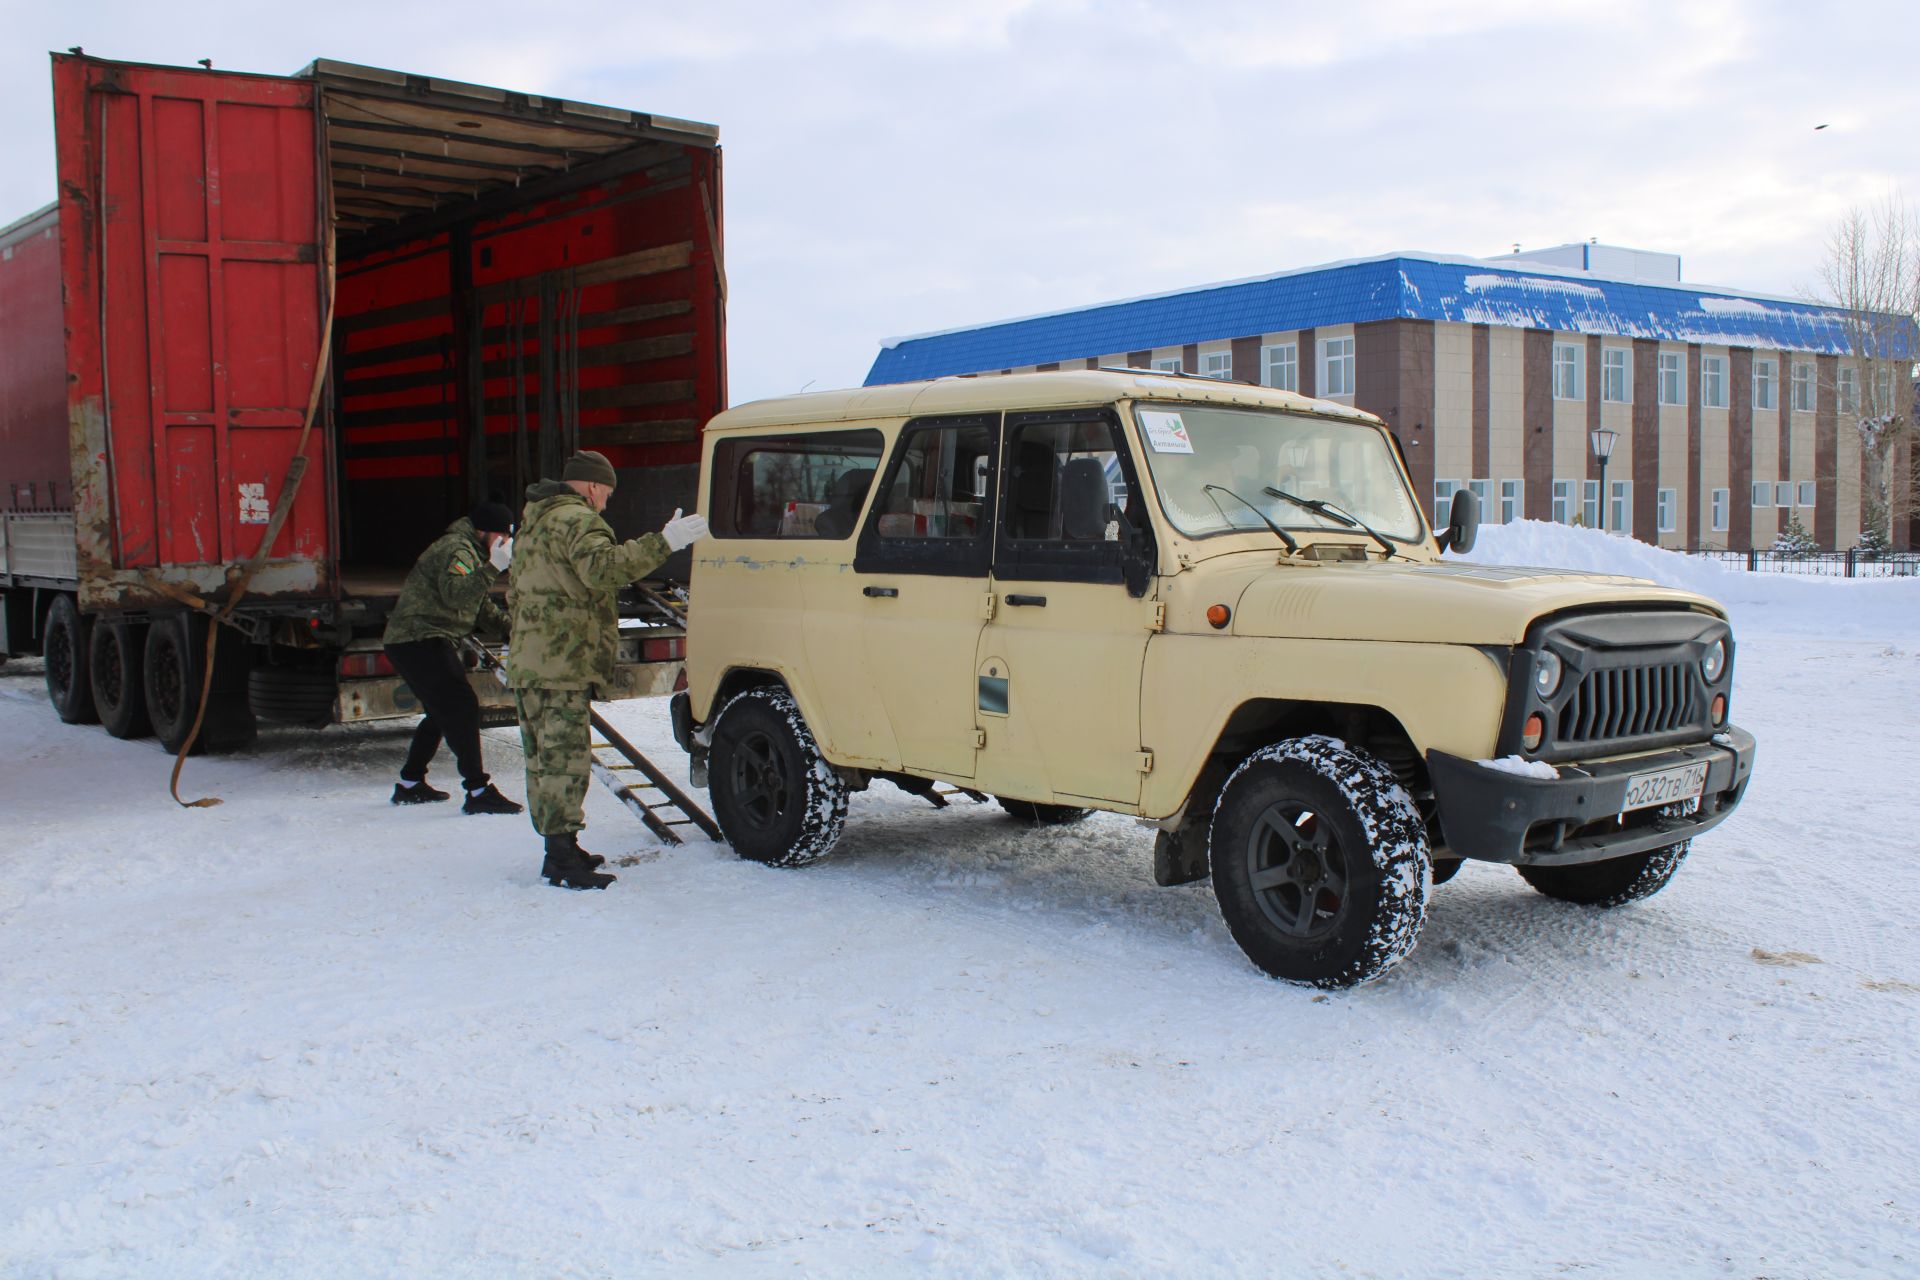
(1871, 275)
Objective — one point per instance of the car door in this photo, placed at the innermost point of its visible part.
(919, 585)
(1057, 671)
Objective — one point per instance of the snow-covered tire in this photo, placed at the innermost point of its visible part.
(776, 798)
(1320, 862)
(1613, 883)
(1043, 815)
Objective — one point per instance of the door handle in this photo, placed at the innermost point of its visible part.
(878, 593)
(1039, 602)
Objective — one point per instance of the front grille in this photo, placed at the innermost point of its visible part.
(1614, 703)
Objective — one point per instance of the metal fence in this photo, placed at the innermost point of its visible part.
(1852, 563)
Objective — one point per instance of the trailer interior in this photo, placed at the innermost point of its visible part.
(516, 277)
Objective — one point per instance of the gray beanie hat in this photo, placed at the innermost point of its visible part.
(591, 466)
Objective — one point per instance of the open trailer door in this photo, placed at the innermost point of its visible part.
(192, 261)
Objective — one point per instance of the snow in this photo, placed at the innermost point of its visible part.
(306, 1033)
(1485, 283)
(1522, 767)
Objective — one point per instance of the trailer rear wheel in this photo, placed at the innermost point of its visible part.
(69, 672)
(176, 650)
(119, 691)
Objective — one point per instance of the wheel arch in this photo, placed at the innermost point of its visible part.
(1260, 722)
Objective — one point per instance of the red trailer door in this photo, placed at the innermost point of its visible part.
(190, 229)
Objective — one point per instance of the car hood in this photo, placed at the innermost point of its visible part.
(1446, 603)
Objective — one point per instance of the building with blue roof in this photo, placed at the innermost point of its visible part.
(1725, 406)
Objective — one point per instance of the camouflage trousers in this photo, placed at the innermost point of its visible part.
(556, 735)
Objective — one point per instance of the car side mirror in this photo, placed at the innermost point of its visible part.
(1463, 523)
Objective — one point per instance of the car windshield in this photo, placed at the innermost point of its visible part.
(1197, 451)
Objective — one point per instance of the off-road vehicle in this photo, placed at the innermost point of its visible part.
(1213, 606)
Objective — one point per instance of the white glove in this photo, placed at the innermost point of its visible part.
(502, 554)
(683, 531)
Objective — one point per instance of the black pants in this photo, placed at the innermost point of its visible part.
(432, 669)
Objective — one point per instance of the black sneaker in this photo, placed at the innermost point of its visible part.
(418, 793)
(488, 800)
(569, 866)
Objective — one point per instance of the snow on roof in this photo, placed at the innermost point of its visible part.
(1404, 285)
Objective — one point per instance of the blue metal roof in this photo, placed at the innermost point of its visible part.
(1395, 287)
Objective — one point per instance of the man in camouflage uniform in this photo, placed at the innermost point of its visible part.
(442, 602)
(566, 629)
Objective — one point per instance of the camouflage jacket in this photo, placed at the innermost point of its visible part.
(567, 568)
(445, 594)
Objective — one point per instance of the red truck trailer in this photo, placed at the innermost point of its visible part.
(500, 278)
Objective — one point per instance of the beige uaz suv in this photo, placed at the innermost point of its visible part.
(1213, 606)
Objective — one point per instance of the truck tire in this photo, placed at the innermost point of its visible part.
(176, 648)
(1043, 815)
(776, 798)
(1613, 883)
(293, 695)
(1320, 862)
(119, 689)
(69, 639)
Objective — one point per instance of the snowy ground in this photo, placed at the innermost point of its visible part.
(304, 1033)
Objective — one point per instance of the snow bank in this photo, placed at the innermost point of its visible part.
(1867, 608)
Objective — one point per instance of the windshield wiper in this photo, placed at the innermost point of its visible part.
(1293, 544)
(1339, 515)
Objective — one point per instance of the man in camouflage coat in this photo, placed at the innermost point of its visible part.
(442, 602)
(567, 568)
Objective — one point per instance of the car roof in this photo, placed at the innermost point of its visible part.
(992, 393)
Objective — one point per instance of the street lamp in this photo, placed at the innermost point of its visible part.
(1603, 441)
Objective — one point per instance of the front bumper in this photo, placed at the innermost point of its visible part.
(1502, 817)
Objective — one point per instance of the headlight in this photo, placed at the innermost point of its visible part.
(1546, 673)
(1715, 661)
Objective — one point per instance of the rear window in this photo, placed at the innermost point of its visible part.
(793, 486)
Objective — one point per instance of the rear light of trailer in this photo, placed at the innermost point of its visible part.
(671, 649)
(360, 666)
(680, 681)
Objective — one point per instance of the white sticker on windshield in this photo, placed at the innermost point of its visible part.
(1166, 433)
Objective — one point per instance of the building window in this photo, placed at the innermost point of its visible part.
(1762, 494)
(1168, 366)
(1719, 510)
(1713, 382)
(1849, 389)
(1765, 380)
(1217, 364)
(1673, 378)
(1883, 391)
(1783, 494)
(1443, 491)
(1483, 490)
(1806, 493)
(1620, 509)
(1665, 510)
(1803, 386)
(1590, 503)
(1563, 501)
(1336, 367)
(1282, 365)
(1511, 507)
(1566, 371)
(1616, 375)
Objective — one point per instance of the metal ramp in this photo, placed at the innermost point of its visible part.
(636, 781)
(639, 784)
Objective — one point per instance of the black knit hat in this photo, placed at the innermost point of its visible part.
(492, 517)
(588, 465)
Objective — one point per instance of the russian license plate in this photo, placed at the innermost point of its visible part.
(1669, 786)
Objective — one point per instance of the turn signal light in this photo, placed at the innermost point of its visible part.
(1719, 708)
(1219, 615)
(1534, 733)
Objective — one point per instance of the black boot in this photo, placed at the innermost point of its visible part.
(569, 866)
(419, 793)
(488, 800)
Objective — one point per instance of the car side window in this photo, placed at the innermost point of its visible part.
(934, 508)
(1071, 511)
(801, 485)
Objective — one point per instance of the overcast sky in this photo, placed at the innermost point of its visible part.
(895, 168)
